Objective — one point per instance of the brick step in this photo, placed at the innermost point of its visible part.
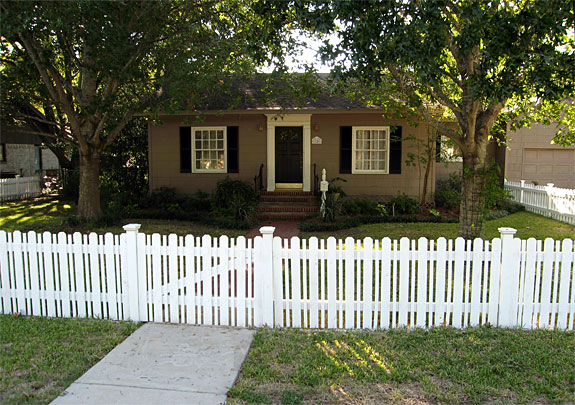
(285, 216)
(286, 208)
(287, 193)
(288, 199)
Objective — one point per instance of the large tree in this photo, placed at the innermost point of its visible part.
(83, 69)
(465, 59)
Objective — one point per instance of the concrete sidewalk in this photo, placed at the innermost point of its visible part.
(165, 364)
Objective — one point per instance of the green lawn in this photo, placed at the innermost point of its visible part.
(50, 215)
(408, 366)
(38, 214)
(528, 225)
(40, 357)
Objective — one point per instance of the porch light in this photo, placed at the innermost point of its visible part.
(316, 127)
(261, 127)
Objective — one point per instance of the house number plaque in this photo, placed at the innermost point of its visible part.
(316, 140)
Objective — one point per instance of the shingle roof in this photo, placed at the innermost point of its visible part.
(296, 91)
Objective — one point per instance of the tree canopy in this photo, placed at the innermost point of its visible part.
(83, 69)
(468, 61)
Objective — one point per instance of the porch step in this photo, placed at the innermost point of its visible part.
(287, 193)
(287, 205)
(303, 199)
(279, 207)
(285, 216)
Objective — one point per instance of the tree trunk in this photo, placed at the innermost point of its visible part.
(472, 204)
(89, 194)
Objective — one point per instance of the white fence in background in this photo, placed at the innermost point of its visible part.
(19, 188)
(312, 283)
(550, 201)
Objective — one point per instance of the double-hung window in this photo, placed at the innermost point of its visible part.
(370, 154)
(209, 149)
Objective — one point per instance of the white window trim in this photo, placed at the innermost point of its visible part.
(193, 135)
(353, 143)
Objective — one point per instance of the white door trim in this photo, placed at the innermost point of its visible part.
(288, 120)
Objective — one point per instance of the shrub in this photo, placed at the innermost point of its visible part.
(367, 207)
(234, 199)
(350, 207)
(447, 198)
(161, 198)
(448, 192)
(332, 207)
(404, 204)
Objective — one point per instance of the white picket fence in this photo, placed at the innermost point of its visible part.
(550, 201)
(19, 188)
(312, 283)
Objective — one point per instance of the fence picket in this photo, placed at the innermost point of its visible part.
(367, 300)
(546, 283)
(565, 276)
(62, 251)
(422, 278)
(459, 292)
(440, 273)
(476, 287)
(314, 294)
(5, 287)
(224, 280)
(241, 284)
(404, 265)
(331, 283)
(349, 282)
(296, 285)
(172, 278)
(50, 286)
(34, 281)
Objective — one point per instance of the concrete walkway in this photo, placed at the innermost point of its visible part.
(165, 364)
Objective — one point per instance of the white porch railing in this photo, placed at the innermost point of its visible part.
(550, 201)
(19, 188)
(506, 282)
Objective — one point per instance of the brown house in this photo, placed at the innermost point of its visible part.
(362, 145)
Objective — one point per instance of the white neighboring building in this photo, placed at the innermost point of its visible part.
(22, 154)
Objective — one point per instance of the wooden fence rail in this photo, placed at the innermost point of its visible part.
(550, 201)
(313, 283)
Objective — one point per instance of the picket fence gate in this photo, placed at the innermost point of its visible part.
(313, 283)
(550, 201)
(19, 188)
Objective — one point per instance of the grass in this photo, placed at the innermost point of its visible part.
(40, 357)
(397, 366)
(528, 225)
(36, 214)
(50, 215)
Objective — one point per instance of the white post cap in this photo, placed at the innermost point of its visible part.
(267, 230)
(132, 227)
(507, 231)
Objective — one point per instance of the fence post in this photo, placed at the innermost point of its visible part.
(521, 192)
(509, 289)
(17, 178)
(265, 275)
(131, 271)
(549, 190)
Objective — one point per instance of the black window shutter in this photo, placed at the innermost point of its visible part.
(395, 151)
(345, 149)
(185, 150)
(233, 149)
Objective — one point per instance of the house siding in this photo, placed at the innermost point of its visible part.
(165, 166)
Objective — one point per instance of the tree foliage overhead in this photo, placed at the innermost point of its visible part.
(467, 60)
(84, 68)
